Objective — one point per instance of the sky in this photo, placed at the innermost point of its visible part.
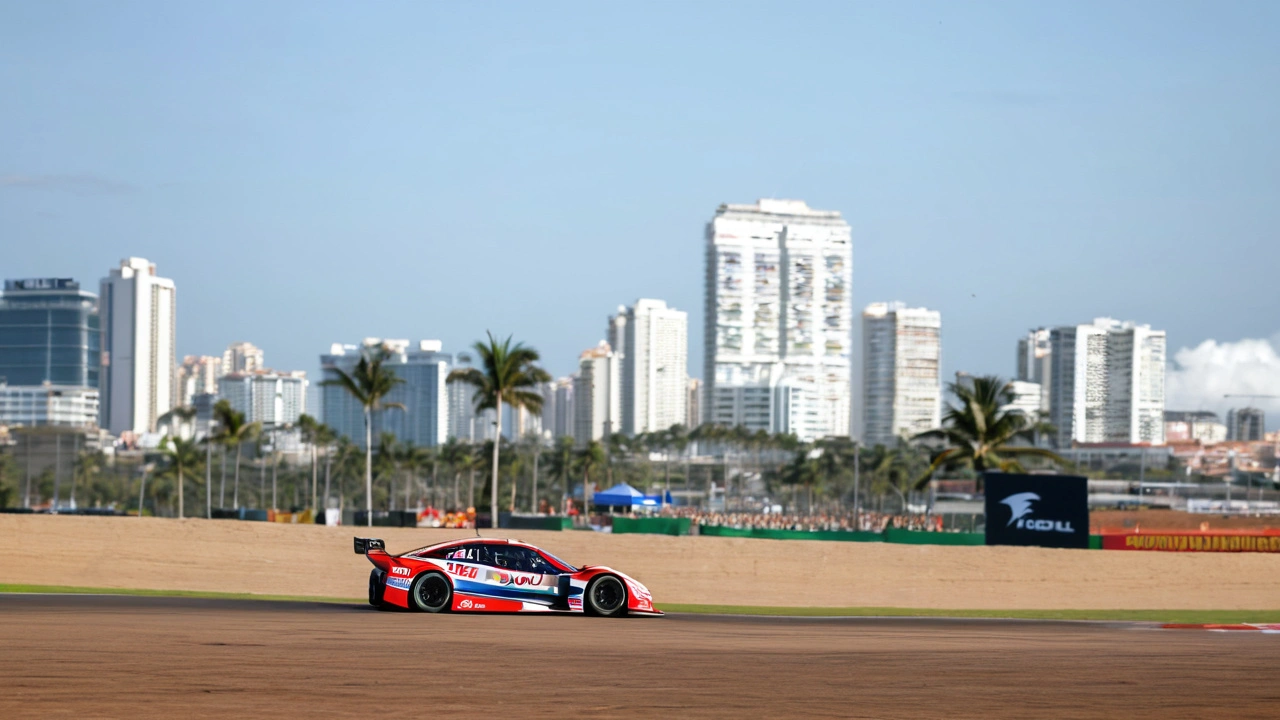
(318, 172)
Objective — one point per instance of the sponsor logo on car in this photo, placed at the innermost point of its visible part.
(396, 582)
(470, 605)
(400, 570)
(500, 577)
(575, 602)
(462, 571)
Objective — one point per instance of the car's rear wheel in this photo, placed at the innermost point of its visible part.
(607, 596)
(376, 588)
(431, 593)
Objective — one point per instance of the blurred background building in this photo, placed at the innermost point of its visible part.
(778, 328)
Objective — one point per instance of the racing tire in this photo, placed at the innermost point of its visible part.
(431, 592)
(376, 589)
(606, 597)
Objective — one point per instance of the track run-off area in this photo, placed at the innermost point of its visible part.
(116, 656)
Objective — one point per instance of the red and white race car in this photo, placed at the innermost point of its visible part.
(495, 575)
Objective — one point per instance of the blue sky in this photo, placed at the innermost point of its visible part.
(313, 172)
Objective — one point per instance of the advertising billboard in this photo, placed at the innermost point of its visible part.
(1043, 510)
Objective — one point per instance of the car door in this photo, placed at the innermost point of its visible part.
(528, 574)
(466, 567)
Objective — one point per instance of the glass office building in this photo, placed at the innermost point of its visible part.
(48, 333)
(423, 369)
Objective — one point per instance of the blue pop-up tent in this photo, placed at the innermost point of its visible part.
(624, 494)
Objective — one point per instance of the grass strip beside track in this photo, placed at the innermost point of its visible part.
(69, 590)
(1160, 616)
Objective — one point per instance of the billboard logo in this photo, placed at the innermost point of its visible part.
(1020, 508)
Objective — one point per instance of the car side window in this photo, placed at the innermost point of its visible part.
(473, 552)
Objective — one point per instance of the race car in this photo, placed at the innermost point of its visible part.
(497, 575)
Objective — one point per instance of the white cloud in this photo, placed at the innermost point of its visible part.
(1199, 377)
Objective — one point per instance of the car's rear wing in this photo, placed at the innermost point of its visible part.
(364, 545)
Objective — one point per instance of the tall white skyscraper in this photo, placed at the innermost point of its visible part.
(654, 367)
(1106, 383)
(597, 395)
(901, 372)
(242, 357)
(139, 325)
(778, 319)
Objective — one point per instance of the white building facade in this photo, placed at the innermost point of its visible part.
(198, 375)
(56, 405)
(654, 368)
(778, 315)
(901, 372)
(138, 311)
(1107, 383)
(266, 396)
(243, 357)
(597, 395)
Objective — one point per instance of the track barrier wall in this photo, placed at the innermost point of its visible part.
(652, 526)
(536, 522)
(1265, 541)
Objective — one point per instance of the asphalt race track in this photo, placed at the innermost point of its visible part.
(137, 657)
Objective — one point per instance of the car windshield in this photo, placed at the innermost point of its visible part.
(558, 560)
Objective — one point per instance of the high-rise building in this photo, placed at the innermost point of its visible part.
(901, 372)
(265, 396)
(1202, 425)
(139, 327)
(693, 407)
(616, 332)
(198, 375)
(1107, 383)
(1034, 363)
(424, 369)
(597, 395)
(1247, 424)
(563, 421)
(779, 318)
(654, 369)
(242, 357)
(49, 353)
(465, 422)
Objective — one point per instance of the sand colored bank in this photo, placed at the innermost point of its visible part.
(231, 556)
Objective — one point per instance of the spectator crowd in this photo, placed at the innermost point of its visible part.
(867, 521)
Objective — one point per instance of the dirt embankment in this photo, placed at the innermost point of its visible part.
(263, 558)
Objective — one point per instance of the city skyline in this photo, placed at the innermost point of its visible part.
(1113, 138)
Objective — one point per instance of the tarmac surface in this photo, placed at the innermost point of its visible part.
(141, 657)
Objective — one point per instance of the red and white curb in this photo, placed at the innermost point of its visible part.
(1270, 628)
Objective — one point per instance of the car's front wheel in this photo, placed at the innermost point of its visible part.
(607, 596)
(431, 592)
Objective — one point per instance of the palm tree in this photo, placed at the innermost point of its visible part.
(183, 456)
(325, 437)
(561, 462)
(233, 430)
(805, 470)
(369, 383)
(454, 453)
(980, 432)
(588, 460)
(309, 429)
(511, 376)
